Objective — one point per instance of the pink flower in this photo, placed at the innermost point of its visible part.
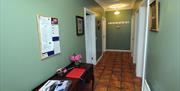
(76, 58)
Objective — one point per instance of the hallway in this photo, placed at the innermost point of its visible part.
(116, 72)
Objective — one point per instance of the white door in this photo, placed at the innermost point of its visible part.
(103, 34)
(135, 36)
(139, 38)
(90, 38)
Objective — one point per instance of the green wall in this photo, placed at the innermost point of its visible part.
(21, 68)
(118, 39)
(163, 67)
(0, 43)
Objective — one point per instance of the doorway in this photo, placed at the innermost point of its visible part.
(139, 39)
(90, 36)
(103, 34)
(141, 19)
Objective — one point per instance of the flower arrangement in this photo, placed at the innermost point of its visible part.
(76, 58)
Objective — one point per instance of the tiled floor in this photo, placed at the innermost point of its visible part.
(116, 72)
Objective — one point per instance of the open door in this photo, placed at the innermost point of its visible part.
(90, 36)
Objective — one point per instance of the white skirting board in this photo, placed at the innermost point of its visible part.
(99, 58)
(146, 86)
(118, 50)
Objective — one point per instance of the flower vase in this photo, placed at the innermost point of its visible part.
(77, 64)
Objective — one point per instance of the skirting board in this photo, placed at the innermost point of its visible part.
(118, 50)
(146, 86)
(99, 58)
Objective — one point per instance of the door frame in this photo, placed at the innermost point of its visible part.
(103, 34)
(140, 41)
(132, 35)
(90, 37)
(145, 85)
(136, 21)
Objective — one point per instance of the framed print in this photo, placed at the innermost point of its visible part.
(98, 25)
(154, 16)
(79, 25)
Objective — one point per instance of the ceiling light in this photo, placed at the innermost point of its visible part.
(116, 12)
(118, 6)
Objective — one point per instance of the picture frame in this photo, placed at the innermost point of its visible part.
(98, 24)
(154, 16)
(79, 25)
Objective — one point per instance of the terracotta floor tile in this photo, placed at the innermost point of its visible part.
(116, 72)
(115, 83)
(128, 74)
(107, 71)
(114, 89)
(127, 79)
(128, 89)
(129, 70)
(116, 77)
(128, 85)
(105, 76)
(101, 88)
(103, 80)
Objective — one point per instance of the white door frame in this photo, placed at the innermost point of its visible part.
(136, 21)
(90, 35)
(145, 86)
(103, 34)
(140, 41)
(132, 35)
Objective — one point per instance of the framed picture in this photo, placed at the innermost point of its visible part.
(79, 25)
(98, 25)
(154, 16)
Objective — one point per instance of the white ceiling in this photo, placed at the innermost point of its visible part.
(126, 4)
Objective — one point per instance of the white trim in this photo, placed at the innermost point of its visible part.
(118, 50)
(147, 2)
(132, 35)
(146, 86)
(140, 41)
(103, 33)
(136, 21)
(90, 48)
(99, 58)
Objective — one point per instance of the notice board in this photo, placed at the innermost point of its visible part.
(48, 30)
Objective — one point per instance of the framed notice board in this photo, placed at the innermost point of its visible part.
(48, 30)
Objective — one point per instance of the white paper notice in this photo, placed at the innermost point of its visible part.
(57, 47)
(46, 34)
(55, 30)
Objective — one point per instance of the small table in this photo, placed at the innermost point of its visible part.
(77, 84)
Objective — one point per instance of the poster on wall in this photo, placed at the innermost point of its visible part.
(49, 38)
